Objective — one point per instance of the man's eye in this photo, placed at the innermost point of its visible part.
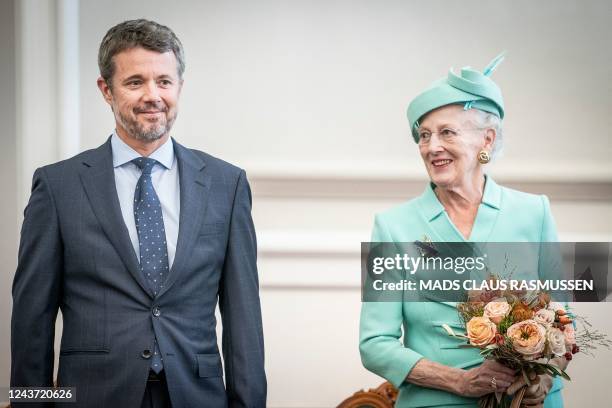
(165, 82)
(133, 83)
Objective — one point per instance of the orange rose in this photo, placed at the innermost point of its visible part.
(521, 312)
(543, 299)
(481, 331)
(528, 338)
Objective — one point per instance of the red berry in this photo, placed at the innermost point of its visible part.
(568, 356)
(575, 349)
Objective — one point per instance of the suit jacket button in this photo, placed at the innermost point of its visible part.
(156, 311)
(146, 354)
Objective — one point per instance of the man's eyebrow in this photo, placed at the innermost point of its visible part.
(136, 76)
(140, 77)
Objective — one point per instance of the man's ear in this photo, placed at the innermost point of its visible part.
(106, 90)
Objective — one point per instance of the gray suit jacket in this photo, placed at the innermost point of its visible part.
(75, 255)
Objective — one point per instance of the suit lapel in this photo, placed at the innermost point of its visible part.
(194, 186)
(98, 179)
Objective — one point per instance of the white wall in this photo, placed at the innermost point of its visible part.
(8, 180)
(310, 97)
(278, 85)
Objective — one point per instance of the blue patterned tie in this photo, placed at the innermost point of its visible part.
(151, 237)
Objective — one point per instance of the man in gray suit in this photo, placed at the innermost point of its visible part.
(135, 242)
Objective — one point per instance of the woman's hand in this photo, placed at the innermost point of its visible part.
(489, 377)
(537, 392)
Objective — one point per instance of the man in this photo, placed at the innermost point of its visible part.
(134, 241)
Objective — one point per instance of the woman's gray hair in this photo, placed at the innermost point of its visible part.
(138, 33)
(488, 120)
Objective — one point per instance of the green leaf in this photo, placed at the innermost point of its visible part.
(526, 377)
(564, 375)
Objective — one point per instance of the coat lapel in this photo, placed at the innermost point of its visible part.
(194, 186)
(442, 228)
(98, 179)
(440, 225)
(487, 212)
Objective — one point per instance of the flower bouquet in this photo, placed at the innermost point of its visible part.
(524, 331)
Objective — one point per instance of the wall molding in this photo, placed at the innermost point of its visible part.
(327, 260)
(358, 187)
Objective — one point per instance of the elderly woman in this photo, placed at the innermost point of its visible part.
(457, 126)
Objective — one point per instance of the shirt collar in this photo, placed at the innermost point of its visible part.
(123, 153)
(432, 207)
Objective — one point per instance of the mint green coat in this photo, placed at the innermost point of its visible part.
(504, 215)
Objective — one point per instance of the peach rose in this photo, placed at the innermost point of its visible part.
(497, 309)
(481, 331)
(528, 338)
(556, 341)
(544, 317)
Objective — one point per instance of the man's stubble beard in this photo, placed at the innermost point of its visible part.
(139, 132)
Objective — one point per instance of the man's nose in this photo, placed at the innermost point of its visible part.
(151, 92)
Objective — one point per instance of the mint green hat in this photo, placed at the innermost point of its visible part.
(471, 87)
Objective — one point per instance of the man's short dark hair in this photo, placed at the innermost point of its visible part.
(137, 33)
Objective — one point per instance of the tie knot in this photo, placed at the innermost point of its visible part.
(145, 164)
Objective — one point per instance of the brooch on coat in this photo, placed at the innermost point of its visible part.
(426, 247)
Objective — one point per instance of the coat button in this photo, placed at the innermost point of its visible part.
(156, 311)
(146, 354)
